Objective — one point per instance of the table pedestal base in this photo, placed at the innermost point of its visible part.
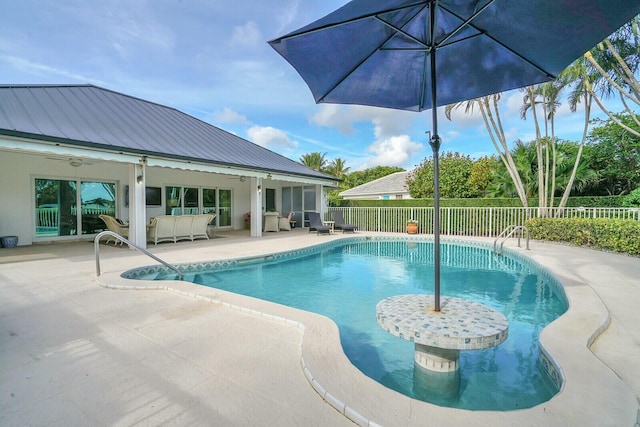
(436, 359)
(441, 388)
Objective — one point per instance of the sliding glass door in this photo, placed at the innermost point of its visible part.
(71, 208)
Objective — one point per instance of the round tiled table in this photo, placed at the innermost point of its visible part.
(440, 335)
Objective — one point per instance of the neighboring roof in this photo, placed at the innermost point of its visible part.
(93, 117)
(394, 183)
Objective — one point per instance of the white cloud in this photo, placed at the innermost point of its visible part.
(451, 135)
(386, 122)
(332, 115)
(514, 103)
(247, 35)
(271, 138)
(131, 30)
(26, 66)
(229, 116)
(461, 119)
(287, 16)
(392, 145)
(394, 151)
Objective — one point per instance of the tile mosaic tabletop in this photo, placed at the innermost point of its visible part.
(460, 324)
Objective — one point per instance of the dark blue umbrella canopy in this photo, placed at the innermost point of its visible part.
(377, 53)
(416, 55)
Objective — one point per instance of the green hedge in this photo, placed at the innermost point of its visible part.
(618, 235)
(587, 202)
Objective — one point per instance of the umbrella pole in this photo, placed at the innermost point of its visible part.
(435, 145)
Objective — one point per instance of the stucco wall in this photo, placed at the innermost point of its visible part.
(18, 171)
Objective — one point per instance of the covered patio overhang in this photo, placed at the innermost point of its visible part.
(139, 163)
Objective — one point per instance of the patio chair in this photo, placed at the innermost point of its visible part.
(115, 226)
(271, 220)
(315, 224)
(339, 224)
(284, 223)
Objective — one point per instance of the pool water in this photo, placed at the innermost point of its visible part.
(346, 282)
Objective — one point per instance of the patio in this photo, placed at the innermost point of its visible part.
(76, 353)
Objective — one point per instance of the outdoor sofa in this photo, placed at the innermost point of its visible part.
(179, 227)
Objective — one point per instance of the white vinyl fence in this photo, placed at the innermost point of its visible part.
(481, 222)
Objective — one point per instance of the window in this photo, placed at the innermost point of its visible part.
(193, 200)
(72, 208)
(209, 200)
(225, 203)
(270, 200)
(181, 201)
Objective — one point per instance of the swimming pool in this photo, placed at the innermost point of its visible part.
(330, 279)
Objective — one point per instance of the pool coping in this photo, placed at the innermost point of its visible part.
(591, 392)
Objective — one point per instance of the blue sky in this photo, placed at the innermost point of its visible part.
(210, 59)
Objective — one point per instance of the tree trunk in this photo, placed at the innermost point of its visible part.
(567, 191)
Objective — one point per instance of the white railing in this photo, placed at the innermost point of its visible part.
(481, 222)
(47, 217)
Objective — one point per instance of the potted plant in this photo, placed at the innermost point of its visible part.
(247, 220)
(412, 226)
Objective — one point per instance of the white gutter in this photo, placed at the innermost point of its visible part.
(40, 147)
(30, 146)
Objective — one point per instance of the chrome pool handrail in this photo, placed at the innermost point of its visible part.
(510, 230)
(96, 244)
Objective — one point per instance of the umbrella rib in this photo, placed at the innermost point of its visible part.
(338, 82)
(401, 31)
(484, 33)
(341, 23)
(398, 30)
(465, 22)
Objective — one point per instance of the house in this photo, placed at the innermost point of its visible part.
(390, 187)
(72, 152)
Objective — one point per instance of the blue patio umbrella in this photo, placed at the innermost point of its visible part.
(415, 55)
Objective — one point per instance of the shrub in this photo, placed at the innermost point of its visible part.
(632, 200)
(618, 235)
(587, 202)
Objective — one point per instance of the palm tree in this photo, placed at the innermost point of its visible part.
(338, 168)
(316, 161)
(568, 180)
(617, 60)
(546, 97)
(578, 77)
(488, 106)
(525, 158)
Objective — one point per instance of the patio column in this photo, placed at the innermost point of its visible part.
(137, 205)
(256, 207)
(321, 201)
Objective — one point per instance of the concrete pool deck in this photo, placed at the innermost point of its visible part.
(73, 352)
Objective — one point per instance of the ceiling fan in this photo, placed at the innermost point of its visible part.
(241, 178)
(73, 161)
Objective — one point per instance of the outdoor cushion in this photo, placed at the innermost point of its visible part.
(284, 223)
(179, 227)
(315, 224)
(339, 224)
(113, 225)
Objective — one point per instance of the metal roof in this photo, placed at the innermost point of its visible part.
(93, 117)
(395, 183)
